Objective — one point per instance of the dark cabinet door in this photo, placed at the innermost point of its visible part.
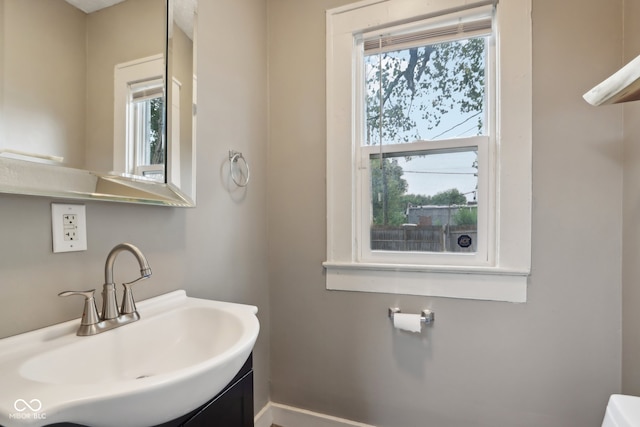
(232, 408)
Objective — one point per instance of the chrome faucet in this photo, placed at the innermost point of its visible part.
(109, 303)
(111, 317)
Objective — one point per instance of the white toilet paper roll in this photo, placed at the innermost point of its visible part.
(407, 322)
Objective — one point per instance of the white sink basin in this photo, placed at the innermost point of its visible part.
(622, 411)
(181, 353)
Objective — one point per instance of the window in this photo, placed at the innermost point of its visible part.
(428, 114)
(139, 111)
(422, 139)
(145, 144)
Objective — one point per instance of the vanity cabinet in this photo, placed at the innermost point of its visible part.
(232, 407)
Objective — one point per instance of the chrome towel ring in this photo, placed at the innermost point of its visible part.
(239, 169)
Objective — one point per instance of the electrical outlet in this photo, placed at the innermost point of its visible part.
(69, 220)
(69, 227)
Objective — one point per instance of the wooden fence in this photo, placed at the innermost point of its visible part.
(424, 238)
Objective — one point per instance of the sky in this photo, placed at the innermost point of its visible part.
(435, 173)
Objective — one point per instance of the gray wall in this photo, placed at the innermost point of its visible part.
(39, 100)
(550, 362)
(631, 266)
(217, 250)
(109, 35)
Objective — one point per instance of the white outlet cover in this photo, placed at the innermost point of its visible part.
(76, 233)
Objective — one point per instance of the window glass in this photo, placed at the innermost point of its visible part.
(425, 201)
(428, 92)
(146, 122)
(148, 137)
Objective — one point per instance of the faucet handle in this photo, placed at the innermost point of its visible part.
(90, 312)
(128, 303)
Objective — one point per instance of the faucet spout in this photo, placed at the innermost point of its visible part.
(145, 270)
(109, 303)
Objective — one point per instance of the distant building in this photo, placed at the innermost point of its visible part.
(434, 215)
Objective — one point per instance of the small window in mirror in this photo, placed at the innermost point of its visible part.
(139, 119)
(144, 140)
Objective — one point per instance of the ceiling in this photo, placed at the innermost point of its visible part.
(182, 11)
(89, 6)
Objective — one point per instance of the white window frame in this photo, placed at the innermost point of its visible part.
(173, 129)
(138, 156)
(502, 274)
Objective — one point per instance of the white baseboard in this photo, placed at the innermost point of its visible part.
(264, 417)
(288, 416)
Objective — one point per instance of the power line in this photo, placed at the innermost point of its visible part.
(455, 126)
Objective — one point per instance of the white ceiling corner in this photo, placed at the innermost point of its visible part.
(89, 6)
(183, 11)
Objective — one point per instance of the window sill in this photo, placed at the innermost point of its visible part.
(479, 283)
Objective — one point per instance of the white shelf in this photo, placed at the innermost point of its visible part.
(622, 86)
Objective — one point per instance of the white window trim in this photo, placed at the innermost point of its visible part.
(504, 278)
(173, 165)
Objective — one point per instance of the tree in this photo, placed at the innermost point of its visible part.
(466, 216)
(448, 198)
(387, 189)
(444, 198)
(416, 199)
(156, 128)
(414, 88)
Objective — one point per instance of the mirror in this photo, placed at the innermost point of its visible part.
(85, 109)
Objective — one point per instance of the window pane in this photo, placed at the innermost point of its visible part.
(429, 92)
(148, 142)
(425, 201)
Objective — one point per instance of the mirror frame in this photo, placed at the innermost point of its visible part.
(38, 179)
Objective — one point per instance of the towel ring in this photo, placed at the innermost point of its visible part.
(241, 180)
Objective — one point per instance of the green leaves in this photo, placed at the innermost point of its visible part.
(387, 190)
(155, 131)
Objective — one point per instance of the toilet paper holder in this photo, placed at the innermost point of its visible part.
(426, 316)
